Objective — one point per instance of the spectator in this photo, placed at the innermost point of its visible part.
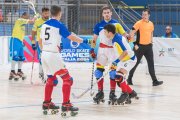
(1, 16)
(169, 33)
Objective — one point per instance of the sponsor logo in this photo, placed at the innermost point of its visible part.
(74, 44)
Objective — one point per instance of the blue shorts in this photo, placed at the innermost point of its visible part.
(16, 49)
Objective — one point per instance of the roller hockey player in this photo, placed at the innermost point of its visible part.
(104, 55)
(36, 32)
(51, 33)
(125, 60)
(16, 46)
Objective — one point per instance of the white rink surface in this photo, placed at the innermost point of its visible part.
(22, 101)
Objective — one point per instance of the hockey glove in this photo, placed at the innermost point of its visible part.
(92, 53)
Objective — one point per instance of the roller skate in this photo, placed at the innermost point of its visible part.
(50, 106)
(122, 99)
(21, 75)
(112, 98)
(14, 76)
(68, 107)
(132, 95)
(99, 97)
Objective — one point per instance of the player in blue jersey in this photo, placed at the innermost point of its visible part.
(124, 61)
(50, 38)
(104, 55)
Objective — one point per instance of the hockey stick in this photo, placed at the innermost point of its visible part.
(31, 3)
(32, 68)
(89, 88)
(92, 92)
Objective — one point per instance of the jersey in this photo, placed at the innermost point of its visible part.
(120, 45)
(99, 30)
(37, 27)
(19, 28)
(51, 33)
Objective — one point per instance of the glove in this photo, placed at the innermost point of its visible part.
(86, 41)
(34, 45)
(114, 64)
(92, 53)
(93, 43)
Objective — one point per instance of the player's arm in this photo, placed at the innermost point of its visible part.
(75, 38)
(34, 33)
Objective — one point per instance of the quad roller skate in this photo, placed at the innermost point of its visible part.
(112, 98)
(21, 75)
(68, 107)
(50, 106)
(132, 95)
(14, 76)
(122, 99)
(99, 97)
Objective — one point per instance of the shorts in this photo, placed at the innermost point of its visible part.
(127, 65)
(51, 62)
(16, 49)
(105, 56)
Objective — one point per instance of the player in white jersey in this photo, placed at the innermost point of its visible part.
(105, 50)
(124, 61)
(51, 33)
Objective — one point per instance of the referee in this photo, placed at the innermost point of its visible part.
(143, 46)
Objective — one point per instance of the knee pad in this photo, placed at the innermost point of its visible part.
(52, 80)
(99, 72)
(64, 74)
(112, 74)
(21, 58)
(119, 78)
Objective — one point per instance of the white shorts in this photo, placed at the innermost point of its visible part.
(51, 62)
(127, 65)
(105, 56)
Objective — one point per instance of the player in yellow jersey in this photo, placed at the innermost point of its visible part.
(36, 36)
(16, 45)
(105, 50)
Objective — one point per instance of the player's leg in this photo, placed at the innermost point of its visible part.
(101, 62)
(122, 70)
(20, 73)
(14, 49)
(51, 82)
(60, 70)
(111, 57)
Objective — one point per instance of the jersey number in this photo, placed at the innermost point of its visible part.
(47, 33)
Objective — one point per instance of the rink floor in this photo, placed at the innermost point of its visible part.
(22, 101)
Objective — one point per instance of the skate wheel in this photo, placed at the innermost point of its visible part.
(45, 112)
(109, 102)
(10, 78)
(23, 78)
(97, 102)
(73, 113)
(102, 101)
(16, 79)
(63, 114)
(137, 98)
(53, 112)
